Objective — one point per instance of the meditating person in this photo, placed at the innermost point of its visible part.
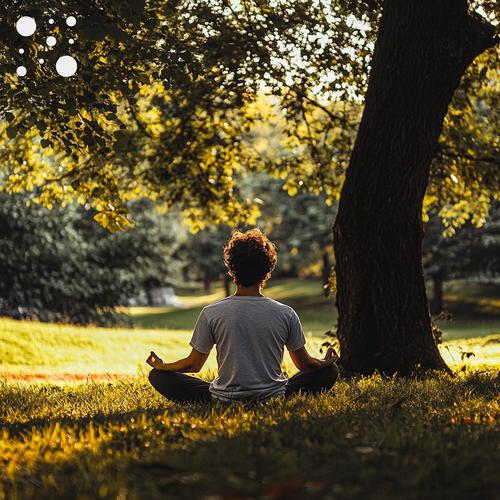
(250, 332)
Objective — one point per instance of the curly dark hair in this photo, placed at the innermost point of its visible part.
(250, 257)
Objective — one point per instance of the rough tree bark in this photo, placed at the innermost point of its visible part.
(423, 48)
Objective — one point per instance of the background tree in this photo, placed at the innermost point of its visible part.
(202, 256)
(471, 253)
(59, 265)
(300, 225)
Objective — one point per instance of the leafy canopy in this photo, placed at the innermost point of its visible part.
(167, 96)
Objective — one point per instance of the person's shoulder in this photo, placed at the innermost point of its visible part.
(281, 306)
(215, 306)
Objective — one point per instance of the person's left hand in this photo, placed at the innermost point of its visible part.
(154, 360)
(331, 356)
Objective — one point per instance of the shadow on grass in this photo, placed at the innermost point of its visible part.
(400, 439)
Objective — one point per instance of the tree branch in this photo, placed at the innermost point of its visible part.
(333, 116)
(481, 34)
(485, 159)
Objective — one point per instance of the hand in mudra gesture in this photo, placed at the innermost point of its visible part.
(154, 360)
(331, 356)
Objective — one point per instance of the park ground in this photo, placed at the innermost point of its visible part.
(78, 419)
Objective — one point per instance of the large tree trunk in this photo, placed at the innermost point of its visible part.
(149, 285)
(422, 50)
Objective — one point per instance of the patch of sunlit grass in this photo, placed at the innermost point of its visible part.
(33, 347)
(476, 353)
(33, 350)
(409, 439)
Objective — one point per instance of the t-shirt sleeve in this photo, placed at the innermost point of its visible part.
(202, 339)
(296, 338)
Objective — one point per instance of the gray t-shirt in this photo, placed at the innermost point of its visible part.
(250, 333)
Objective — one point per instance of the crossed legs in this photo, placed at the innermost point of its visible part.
(313, 382)
(179, 386)
(184, 388)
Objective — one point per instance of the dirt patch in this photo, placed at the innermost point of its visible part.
(64, 377)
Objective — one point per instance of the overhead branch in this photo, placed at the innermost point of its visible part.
(318, 105)
(484, 159)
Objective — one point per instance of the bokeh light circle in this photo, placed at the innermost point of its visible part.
(71, 41)
(21, 51)
(26, 26)
(51, 41)
(41, 61)
(51, 21)
(66, 66)
(21, 71)
(71, 21)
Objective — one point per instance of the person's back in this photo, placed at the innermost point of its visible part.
(250, 332)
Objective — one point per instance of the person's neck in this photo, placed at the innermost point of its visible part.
(249, 291)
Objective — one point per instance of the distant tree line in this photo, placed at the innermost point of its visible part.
(470, 253)
(59, 265)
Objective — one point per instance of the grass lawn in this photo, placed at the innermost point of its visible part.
(78, 419)
(40, 351)
(316, 311)
(32, 350)
(474, 308)
(371, 438)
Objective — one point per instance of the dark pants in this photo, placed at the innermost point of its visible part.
(184, 388)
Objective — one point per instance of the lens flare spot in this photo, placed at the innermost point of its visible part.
(71, 21)
(26, 26)
(51, 41)
(66, 66)
(21, 71)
